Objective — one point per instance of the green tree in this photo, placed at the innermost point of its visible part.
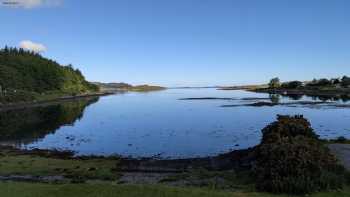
(30, 73)
(274, 83)
(345, 81)
(292, 84)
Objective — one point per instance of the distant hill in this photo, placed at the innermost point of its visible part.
(112, 86)
(126, 87)
(242, 87)
(145, 88)
(26, 75)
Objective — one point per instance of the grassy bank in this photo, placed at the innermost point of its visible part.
(16, 189)
(101, 176)
(37, 164)
(43, 163)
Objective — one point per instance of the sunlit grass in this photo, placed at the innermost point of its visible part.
(16, 189)
(35, 165)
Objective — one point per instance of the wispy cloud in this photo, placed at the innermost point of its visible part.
(28, 4)
(32, 46)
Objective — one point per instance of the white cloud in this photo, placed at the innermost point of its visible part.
(30, 3)
(32, 46)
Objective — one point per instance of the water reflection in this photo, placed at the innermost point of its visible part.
(27, 125)
(275, 98)
(294, 97)
(161, 123)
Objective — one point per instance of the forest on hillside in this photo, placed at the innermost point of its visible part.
(24, 75)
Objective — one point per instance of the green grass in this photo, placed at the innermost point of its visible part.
(72, 168)
(202, 183)
(17, 189)
(228, 179)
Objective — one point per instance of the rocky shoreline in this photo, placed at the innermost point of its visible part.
(237, 159)
(21, 105)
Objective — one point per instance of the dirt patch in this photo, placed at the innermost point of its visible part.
(342, 152)
(143, 178)
(238, 159)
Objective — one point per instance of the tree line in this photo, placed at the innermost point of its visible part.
(22, 70)
(334, 82)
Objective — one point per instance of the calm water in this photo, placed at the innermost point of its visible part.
(158, 123)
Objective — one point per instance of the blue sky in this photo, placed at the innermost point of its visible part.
(187, 42)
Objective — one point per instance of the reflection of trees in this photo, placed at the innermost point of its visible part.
(275, 98)
(345, 98)
(325, 97)
(33, 123)
(295, 97)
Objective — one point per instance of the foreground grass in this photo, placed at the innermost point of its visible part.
(16, 189)
(200, 182)
(72, 168)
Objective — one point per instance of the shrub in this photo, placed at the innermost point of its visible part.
(292, 160)
(292, 84)
(347, 177)
(324, 82)
(320, 82)
(345, 82)
(287, 126)
(341, 139)
(274, 83)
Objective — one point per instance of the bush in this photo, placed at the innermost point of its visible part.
(274, 83)
(320, 82)
(341, 139)
(347, 177)
(345, 82)
(292, 84)
(287, 126)
(292, 160)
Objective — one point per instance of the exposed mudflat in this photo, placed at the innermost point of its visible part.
(309, 104)
(208, 98)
